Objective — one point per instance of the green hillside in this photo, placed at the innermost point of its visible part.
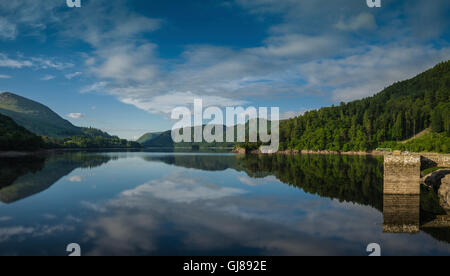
(36, 117)
(29, 118)
(15, 137)
(146, 138)
(91, 138)
(397, 113)
(164, 139)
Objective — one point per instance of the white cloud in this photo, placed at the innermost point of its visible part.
(365, 21)
(96, 87)
(76, 178)
(177, 188)
(3, 219)
(48, 77)
(32, 15)
(292, 114)
(5, 77)
(127, 63)
(297, 46)
(75, 115)
(49, 216)
(253, 182)
(370, 71)
(8, 232)
(45, 63)
(73, 75)
(103, 23)
(5, 61)
(164, 104)
(34, 62)
(96, 207)
(8, 30)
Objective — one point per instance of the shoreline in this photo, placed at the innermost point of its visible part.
(45, 152)
(328, 152)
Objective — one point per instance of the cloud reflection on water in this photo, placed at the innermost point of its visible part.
(181, 214)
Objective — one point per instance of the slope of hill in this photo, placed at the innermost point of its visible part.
(418, 135)
(15, 137)
(36, 117)
(397, 113)
(29, 118)
(164, 139)
(146, 138)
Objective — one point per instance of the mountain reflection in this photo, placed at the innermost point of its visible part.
(356, 179)
(23, 177)
(353, 179)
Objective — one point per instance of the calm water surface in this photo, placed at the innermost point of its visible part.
(144, 203)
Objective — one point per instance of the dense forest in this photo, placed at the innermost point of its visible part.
(397, 113)
(35, 117)
(385, 120)
(15, 137)
(91, 138)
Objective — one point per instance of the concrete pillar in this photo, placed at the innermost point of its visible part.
(402, 175)
(401, 213)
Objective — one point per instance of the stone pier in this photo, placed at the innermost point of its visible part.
(401, 199)
(402, 174)
(401, 214)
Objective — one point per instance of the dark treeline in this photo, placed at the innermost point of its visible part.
(26, 176)
(15, 137)
(398, 112)
(357, 179)
(91, 138)
(86, 142)
(13, 168)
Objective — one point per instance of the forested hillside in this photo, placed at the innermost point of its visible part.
(25, 120)
(395, 114)
(35, 116)
(15, 137)
(90, 138)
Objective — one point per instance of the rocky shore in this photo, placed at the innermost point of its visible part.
(439, 181)
(444, 193)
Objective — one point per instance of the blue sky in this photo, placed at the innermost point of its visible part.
(122, 66)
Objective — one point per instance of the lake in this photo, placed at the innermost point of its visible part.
(174, 203)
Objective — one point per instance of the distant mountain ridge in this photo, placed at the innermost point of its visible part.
(29, 125)
(164, 139)
(36, 117)
(148, 137)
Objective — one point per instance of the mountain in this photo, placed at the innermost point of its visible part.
(15, 137)
(399, 112)
(146, 138)
(164, 139)
(37, 120)
(36, 117)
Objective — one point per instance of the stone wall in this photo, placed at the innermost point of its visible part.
(444, 194)
(402, 175)
(401, 213)
(435, 160)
